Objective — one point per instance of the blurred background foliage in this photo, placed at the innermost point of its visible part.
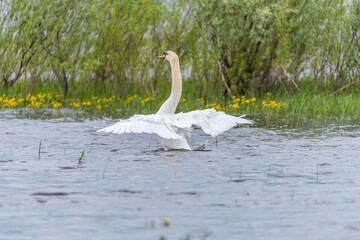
(226, 47)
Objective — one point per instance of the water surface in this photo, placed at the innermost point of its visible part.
(251, 183)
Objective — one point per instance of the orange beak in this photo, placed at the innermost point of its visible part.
(161, 57)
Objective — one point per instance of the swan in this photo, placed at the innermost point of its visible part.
(172, 129)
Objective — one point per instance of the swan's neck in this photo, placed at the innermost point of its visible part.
(171, 103)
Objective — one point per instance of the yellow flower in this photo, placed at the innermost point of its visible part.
(145, 100)
(75, 104)
(87, 103)
(166, 222)
(56, 104)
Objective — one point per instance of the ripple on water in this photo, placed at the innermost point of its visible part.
(251, 183)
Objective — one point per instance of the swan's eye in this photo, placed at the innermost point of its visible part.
(165, 53)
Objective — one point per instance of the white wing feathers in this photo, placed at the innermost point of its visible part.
(168, 126)
(143, 124)
(211, 122)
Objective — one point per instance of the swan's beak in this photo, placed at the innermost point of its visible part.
(161, 57)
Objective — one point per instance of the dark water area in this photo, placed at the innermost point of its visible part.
(251, 183)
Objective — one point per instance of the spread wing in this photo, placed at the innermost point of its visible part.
(211, 121)
(144, 124)
(169, 125)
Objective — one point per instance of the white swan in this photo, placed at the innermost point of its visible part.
(172, 128)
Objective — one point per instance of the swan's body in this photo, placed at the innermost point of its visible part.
(172, 128)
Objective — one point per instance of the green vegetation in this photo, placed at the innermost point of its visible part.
(80, 158)
(299, 105)
(96, 55)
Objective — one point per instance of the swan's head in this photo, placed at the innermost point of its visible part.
(169, 55)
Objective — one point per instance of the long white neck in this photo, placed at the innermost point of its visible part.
(171, 103)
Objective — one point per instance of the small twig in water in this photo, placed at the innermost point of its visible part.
(80, 158)
(268, 175)
(317, 171)
(40, 148)
(105, 169)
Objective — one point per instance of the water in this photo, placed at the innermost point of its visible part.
(252, 183)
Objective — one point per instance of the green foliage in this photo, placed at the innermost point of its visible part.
(94, 103)
(262, 44)
(80, 158)
(224, 45)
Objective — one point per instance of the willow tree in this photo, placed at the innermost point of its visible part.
(240, 34)
(19, 41)
(120, 47)
(65, 36)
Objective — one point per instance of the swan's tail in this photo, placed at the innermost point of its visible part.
(201, 147)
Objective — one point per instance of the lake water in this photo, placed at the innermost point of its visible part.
(251, 183)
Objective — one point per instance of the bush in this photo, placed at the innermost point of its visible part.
(233, 46)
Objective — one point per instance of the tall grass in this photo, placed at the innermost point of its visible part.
(271, 105)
